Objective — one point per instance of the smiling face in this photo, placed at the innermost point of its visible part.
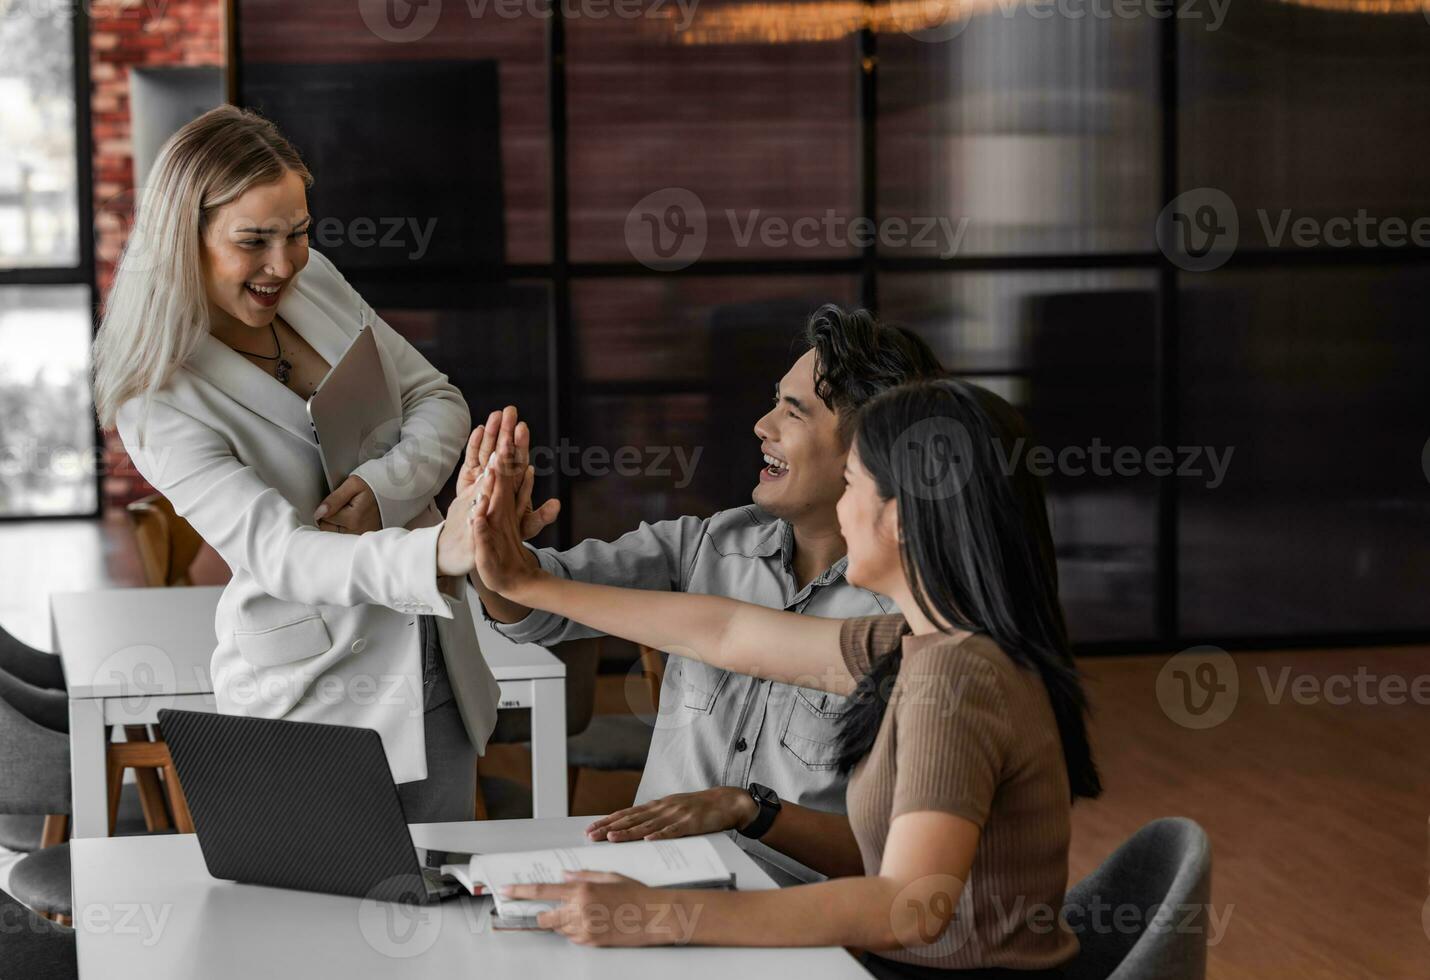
(870, 526)
(803, 453)
(253, 248)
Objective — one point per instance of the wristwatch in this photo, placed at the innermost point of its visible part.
(769, 803)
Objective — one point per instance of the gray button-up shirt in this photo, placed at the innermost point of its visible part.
(715, 728)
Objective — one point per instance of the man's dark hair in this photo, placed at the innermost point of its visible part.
(857, 357)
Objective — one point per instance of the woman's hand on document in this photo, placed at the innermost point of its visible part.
(481, 451)
(597, 908)
(708, 811)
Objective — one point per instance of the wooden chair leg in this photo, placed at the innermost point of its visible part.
(56, 828)
(183, 820)
(151, 793)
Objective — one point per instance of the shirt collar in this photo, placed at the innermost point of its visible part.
(830, 574)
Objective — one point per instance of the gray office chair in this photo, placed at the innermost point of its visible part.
(21, 832)
(47, 706)
(618, 741)
(35, 779)
(32, 947)
(1168, 864)
(30, 665)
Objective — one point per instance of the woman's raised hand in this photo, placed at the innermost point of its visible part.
(481, 450)
(498, 557)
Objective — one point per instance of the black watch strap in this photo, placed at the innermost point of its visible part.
(769, 803)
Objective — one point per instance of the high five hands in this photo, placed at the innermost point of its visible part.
(495, 481)
(501, 516)
(481, 447)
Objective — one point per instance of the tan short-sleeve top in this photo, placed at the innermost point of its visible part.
(969, 732)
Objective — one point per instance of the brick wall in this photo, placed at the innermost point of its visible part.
(126, 34)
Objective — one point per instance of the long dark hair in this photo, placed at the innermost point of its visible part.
(976, 548)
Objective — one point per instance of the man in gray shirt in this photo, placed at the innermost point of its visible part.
(715, 730)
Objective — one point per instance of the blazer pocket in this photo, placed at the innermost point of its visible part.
(276, 645)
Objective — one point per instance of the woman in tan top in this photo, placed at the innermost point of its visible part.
(966, 736)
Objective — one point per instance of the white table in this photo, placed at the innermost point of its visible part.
(146, 909)
(127, 653)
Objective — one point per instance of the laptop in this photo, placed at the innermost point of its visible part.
(353, 414)
(298, 805)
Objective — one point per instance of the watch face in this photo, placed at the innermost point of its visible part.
(766, 795)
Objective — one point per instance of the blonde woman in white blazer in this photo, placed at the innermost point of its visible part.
(348, 608)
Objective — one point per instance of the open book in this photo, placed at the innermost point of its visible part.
(686, 862)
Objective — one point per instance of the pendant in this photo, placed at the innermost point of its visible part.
(284, 369)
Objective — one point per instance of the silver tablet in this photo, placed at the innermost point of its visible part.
(354, 416)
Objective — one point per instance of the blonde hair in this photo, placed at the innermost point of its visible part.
(157, 311)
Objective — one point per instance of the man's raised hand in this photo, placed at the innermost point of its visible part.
(481, 455)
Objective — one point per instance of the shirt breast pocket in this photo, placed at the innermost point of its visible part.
(284, 643)
(700, 684)
(811, 732)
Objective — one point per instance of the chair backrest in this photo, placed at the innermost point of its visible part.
(30, 665)
(168, 544)
(1167, 865)
(34, 765)
(47, 707)
(34, 947)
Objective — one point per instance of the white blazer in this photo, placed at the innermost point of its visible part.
(316, 625)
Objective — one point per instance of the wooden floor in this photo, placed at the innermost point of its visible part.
(1317, 812)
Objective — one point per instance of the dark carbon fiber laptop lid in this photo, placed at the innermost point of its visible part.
(295, 805)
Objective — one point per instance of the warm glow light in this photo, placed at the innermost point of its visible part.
(829, 20)
(1364, 6)
(826, 20)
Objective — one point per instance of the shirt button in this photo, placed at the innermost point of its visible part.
(741, 745)
(360, 644)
